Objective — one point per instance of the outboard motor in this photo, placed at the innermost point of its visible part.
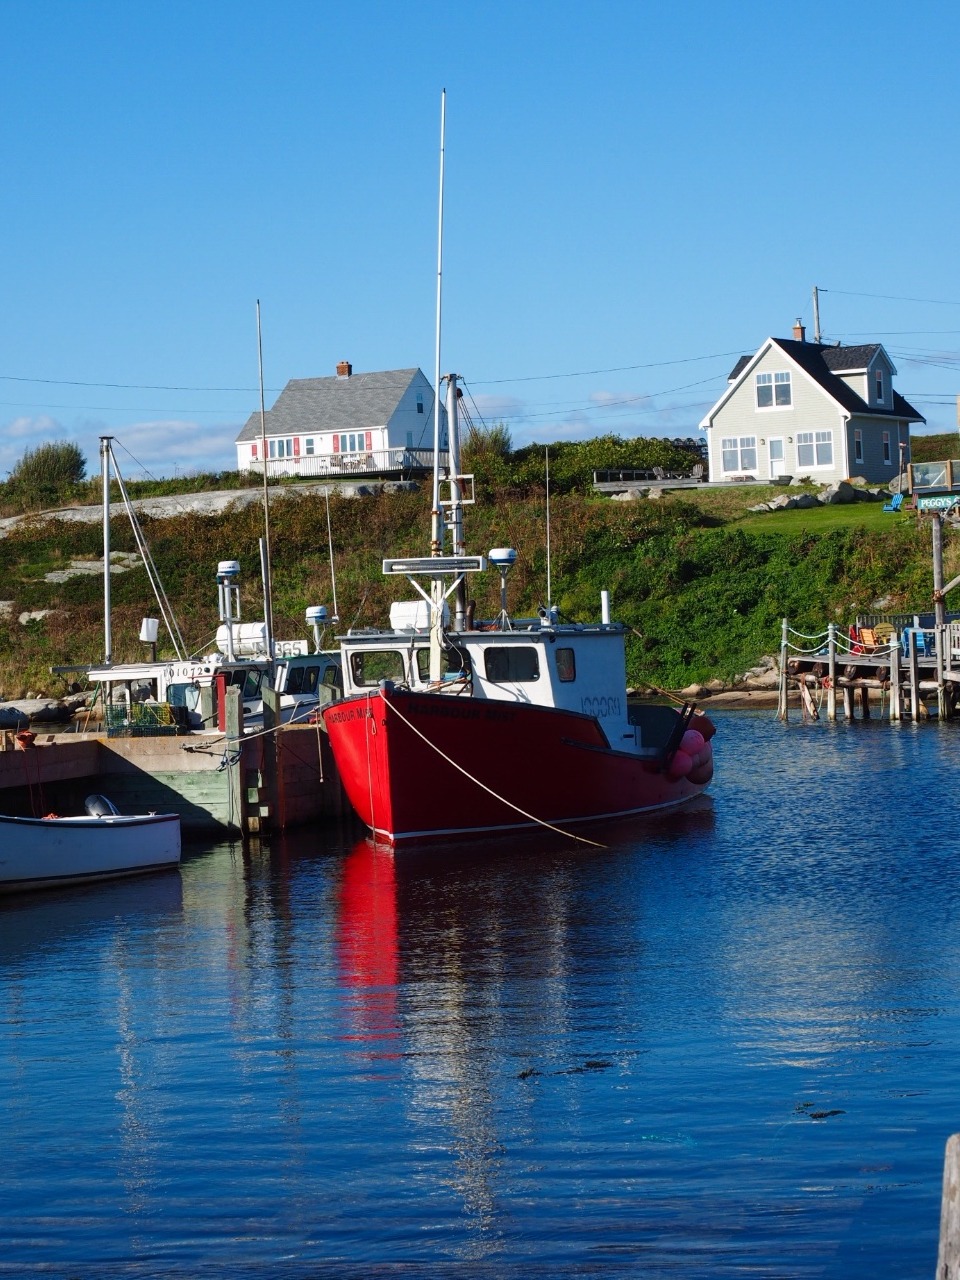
(100, 807)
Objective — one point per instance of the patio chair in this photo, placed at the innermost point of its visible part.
(895, 503)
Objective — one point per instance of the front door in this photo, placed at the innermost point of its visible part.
(776, 455)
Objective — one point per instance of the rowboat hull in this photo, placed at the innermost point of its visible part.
(421, 766)
(38, 853)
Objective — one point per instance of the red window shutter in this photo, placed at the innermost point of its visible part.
(296, 446)
(369, 440)
(336, 444)
(253, 451)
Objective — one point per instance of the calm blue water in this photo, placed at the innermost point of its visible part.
(727, 1044)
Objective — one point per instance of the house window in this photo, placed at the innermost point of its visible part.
(887, 454)
(739, 454)
(773, 390)
(858, 446)
(419, 402)
(815, 448)
(308, 444)
(880, 385)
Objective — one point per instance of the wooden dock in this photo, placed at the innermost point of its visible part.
(903, 666)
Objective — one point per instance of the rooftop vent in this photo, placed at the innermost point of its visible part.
(344, 369)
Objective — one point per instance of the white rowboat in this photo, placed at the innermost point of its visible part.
(40, 853)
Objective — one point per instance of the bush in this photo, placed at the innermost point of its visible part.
(47, 475)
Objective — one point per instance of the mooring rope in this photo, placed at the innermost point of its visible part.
(509, 803)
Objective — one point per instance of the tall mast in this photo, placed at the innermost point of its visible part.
(105, 485)
(436, 524)
(266, 562)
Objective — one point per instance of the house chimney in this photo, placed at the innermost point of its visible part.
(344, 369)
(799, 332)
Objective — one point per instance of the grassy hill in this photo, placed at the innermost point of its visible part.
(702, 581)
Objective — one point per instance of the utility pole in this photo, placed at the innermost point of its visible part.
(816, 315)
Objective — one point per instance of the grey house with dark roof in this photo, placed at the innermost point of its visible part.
(363, 423)
(801, 408)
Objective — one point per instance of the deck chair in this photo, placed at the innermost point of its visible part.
(868, 640)
(884, 632)
(895, 503)
(696, 472)
(659, 473)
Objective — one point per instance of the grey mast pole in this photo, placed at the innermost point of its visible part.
(265, 550)
(105, 443)
(436, 514)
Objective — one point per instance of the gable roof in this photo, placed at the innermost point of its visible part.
(819, 362)
(355, 403)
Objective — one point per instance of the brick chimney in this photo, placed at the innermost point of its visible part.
(799, 332)
(344, 369)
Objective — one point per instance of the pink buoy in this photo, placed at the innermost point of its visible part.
(681, 764)
(692, 742)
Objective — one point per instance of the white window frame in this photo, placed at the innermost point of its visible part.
(819, 442)
(779, 383)
(857, 445)
(743, 446)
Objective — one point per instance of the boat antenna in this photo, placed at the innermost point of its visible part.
(436, 514)
(267, 592)
(105, 484)
(333, 576)
(549, 591)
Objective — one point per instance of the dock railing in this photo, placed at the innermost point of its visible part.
(904, 659)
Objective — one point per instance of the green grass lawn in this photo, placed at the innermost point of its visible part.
(868, 515)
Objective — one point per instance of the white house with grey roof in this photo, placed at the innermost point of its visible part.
(354, 423)
(806, 409)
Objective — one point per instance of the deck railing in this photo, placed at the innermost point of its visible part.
(352, 466)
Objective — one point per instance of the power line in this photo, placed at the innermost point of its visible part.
(127, 386)
(892, 297)
(589, 373)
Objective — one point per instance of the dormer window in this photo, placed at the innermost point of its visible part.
(879, 377)
(773, 390)
(419, 402)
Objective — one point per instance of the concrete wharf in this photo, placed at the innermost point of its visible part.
(219, 783)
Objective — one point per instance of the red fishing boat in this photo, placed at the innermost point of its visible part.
(449, 727)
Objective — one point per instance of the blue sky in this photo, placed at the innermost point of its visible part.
(636, 194)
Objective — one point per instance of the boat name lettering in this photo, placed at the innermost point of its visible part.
(600, 706)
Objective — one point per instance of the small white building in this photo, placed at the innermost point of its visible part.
(365, 423)
(805, 409)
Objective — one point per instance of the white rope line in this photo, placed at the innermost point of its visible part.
(510, 805)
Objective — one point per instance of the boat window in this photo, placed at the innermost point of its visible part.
(311, 677)
(566, 664)
(332, 677)
(370, 666)
(454, 663)
(251, 686)
(511, 664)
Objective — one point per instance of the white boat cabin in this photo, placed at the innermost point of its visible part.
(572, 667)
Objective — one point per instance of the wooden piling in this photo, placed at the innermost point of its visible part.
(948, 1255)
(847, 702)
(864, 702)
(832, 671)
(914, 672)
(896, 700)
(782, 710)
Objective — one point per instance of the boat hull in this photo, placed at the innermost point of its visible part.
(39, 853)
(417, 766)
